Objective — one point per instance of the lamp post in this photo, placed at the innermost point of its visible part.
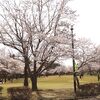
(73, 59)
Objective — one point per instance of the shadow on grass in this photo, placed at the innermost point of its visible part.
(50, 94)
(63, 94)
(3, 98)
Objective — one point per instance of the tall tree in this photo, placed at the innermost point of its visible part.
(38, 30)
(85, 52)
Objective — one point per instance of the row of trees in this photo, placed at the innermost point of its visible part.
(39, 32)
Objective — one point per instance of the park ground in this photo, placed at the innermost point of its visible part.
(52, 87)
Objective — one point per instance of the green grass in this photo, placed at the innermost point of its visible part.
(55, 82)
(52, 82)
(88, 79)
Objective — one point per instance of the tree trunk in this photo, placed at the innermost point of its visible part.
(77, 81)
(5, 79)
(98, 74)
(34, 78)
(26, 72)
(34, 82)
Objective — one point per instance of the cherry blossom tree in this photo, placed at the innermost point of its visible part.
(86, 52)
(38, 30)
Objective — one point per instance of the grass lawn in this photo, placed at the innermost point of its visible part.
(56, 82)
(52, 84)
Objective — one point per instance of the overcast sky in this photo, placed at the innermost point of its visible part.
(88, 22)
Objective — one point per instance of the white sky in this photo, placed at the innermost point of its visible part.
(88, 21)
(88, 24)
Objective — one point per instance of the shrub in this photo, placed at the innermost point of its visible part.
(19, 93)
(91, 89)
